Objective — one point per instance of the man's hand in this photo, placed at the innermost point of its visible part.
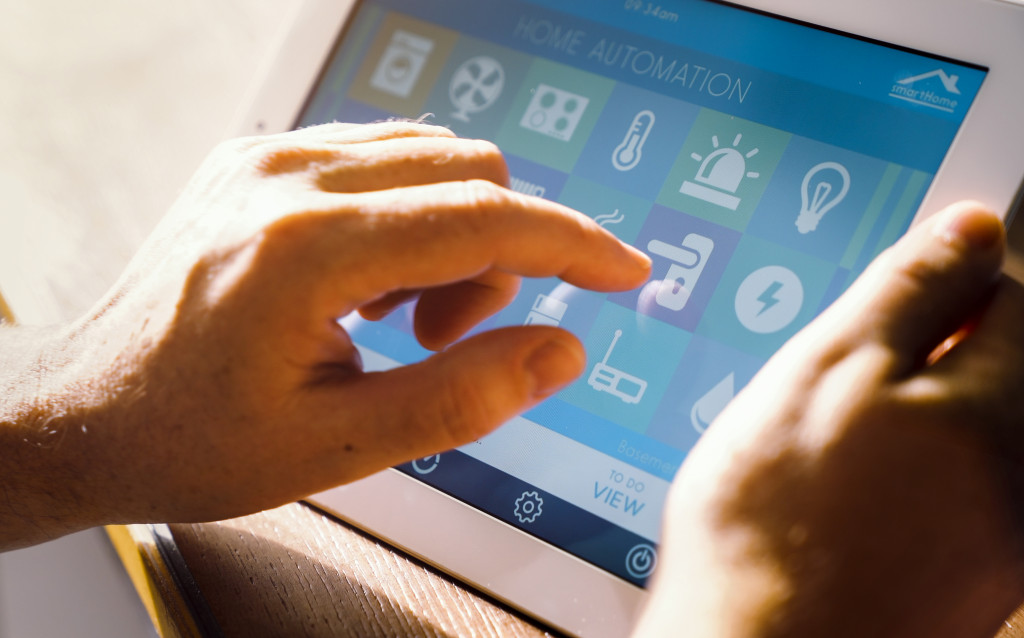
(214, 380)
(862, 484)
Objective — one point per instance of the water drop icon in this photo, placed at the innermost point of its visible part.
(708, 407)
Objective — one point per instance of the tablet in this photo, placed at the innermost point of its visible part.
(762, 153)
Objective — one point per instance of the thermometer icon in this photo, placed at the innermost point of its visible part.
(627, 154)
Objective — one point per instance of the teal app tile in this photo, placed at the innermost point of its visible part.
(615, 211)
(630, 359)
(767, 294)
(723, 169)
(476, 88)
(553, 114)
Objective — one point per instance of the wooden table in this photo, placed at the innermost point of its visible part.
(109, 106)
(294, 571)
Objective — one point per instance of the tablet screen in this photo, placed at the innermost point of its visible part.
(761, 163)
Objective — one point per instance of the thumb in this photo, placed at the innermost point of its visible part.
(453, 398)
(927, 285)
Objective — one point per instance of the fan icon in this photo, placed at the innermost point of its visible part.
(475, 86)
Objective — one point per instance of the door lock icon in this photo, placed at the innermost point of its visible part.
(682, 276)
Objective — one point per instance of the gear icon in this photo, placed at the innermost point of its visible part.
(528, 507)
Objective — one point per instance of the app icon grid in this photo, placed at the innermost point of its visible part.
(752, 230)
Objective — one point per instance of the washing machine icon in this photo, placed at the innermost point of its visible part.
(401, 64)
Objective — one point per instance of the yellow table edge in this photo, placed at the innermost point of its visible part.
(5, 311)
(137, 548)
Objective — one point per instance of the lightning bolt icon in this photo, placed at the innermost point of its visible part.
(768, 298)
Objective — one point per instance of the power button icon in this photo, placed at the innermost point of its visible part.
(427, 464)
(641, 560)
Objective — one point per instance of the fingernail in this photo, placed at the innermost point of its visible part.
(642, 259)
(978, 228)
(553, 365)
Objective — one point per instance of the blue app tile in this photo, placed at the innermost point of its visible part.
(689, 256)
(817, 198)
(531, 178)
(636, 140)
(630, 359)
(709, 376)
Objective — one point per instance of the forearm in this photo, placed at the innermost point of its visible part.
(41, 493)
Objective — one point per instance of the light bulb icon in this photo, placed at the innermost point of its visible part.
(824, 186)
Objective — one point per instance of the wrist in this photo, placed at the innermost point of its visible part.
(44, 415)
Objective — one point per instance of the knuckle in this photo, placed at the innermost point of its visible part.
(417, 127)
(916, 272)
(288, 158)
(488, 160)
(396, 129)
(919, 275)
(484, 195)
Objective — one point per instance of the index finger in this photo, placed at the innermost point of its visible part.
(417, 237)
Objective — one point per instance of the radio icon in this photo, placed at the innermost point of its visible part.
(624, 386)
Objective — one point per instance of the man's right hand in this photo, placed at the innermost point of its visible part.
(214, 380)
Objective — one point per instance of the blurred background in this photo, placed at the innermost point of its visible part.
(106, 109)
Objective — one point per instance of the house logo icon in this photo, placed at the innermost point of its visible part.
(935, 89)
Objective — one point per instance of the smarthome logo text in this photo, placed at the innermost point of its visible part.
(934, 90)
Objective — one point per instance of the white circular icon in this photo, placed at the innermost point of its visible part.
(641, 560)
(769, 299)
(427, 464)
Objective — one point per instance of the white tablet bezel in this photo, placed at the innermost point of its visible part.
(513, 566)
